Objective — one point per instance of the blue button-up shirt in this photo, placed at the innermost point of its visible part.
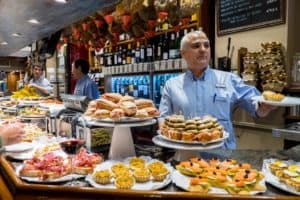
(43, 82)
(214, 93)
(86, 87)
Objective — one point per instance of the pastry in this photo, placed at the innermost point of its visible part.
(119, 168)
(101, 114)
(117, 114)
(114, 97)
(102, 177)
(199, 185)
(295, 183)
(272, 96)
(129, 108)
(152, 111)
(277, 165)
(142, 113)
(127, 98)
(106, 104)
(141, 175)
(124, 182)
(143, 103)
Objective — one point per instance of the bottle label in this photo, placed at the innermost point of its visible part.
(158, 51)
(172, 53)
(109, 60)
(135, 93)
(137, 54)
(146, 91)
(142, 54)
(149, 52)
(165, 56)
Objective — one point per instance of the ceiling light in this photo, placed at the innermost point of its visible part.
(16, 34)
(3, 43)
(33, 21)
(61, 1)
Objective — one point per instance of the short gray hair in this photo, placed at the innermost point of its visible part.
(186, 38)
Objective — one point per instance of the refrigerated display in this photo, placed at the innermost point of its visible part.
(137, 86)
(159, 81)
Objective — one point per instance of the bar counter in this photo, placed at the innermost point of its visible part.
(21, 190)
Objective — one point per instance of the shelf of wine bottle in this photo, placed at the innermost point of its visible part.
(156, 66)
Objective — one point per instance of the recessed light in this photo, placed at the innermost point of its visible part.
(3, 43)
(33, 21)
(61, 1)
(16, 34)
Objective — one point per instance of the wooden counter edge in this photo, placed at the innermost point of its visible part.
(20, 186)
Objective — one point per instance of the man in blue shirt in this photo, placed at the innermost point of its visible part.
(84, 85)
(202, 90)
(39, 82)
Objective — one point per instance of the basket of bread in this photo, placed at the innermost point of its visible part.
(115, 107)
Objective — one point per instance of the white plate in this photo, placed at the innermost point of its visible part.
(31, 116)
(21, 155)
(150, 185)
(273, 180)
(23, 146)
(159, 140)
(68, 177)
(287, 101)
(183, 182)
(123, 120)
(225, 136)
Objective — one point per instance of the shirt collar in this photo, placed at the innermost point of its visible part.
(39, 79)
(84, 77)
(203, 77)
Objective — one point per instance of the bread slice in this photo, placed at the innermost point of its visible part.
(30, 172)
(82, 170)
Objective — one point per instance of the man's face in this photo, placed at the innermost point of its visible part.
(197, 53)
(76, 72)
(37, 72)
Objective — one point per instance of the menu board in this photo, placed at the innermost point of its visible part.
(241, 15)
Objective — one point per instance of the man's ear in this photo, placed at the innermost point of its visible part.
(182, 53)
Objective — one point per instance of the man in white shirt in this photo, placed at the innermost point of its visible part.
(39, 82)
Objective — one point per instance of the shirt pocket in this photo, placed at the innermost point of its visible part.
(221, 106)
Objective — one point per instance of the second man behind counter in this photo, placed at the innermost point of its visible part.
(84, 85)
(39, 82)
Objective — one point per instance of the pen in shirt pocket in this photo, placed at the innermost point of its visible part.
(214, 99)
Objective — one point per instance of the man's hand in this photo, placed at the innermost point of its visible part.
(32, 85)
(264, 109)
(12, 133)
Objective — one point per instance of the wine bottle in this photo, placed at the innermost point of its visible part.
(129, 54)
(137, 52)
(115, 56)
(165, 47)
(172, 47)
(158, 48)
(143, 53)
(109, 56)
(101, 57)
(124, 54)
(105, 51)
(149, 52)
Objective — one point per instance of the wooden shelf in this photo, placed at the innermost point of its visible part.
(160, 33)
(295, 117)
(293, 89)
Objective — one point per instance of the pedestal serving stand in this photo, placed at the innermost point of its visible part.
(121, 143)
